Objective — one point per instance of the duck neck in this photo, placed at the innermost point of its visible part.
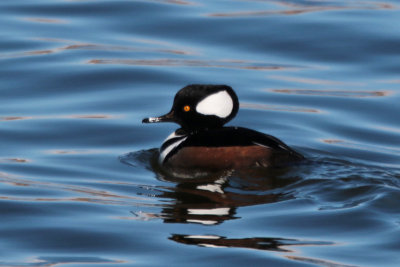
(191, 131)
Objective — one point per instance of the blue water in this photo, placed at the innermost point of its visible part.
(77, 187)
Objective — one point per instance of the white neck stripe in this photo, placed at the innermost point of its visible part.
(164, 153)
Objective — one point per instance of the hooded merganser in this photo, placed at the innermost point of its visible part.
(203, 144)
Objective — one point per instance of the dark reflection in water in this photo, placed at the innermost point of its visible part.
(262, 243)
(259, 243)
(214, 201)
(214, 198)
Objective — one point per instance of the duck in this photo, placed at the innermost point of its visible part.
(204, 144)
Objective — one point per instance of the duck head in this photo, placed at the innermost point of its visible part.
(199, 107)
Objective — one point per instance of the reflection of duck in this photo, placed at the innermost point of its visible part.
(213, 199)
(204, 145)
(261, 243)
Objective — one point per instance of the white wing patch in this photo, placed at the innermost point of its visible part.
(219, 104)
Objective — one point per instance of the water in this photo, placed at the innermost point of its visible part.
(77, 185)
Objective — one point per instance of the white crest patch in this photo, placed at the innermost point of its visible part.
(219, 104)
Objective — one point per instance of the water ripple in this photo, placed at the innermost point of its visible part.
(297, 9)
(334, 93)
(73, 116)
(56, 261)
(169, 62)
(77, 76)
(258, 106)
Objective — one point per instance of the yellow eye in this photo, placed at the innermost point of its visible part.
(186, 108)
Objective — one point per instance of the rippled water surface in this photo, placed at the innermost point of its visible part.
(77, 184)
